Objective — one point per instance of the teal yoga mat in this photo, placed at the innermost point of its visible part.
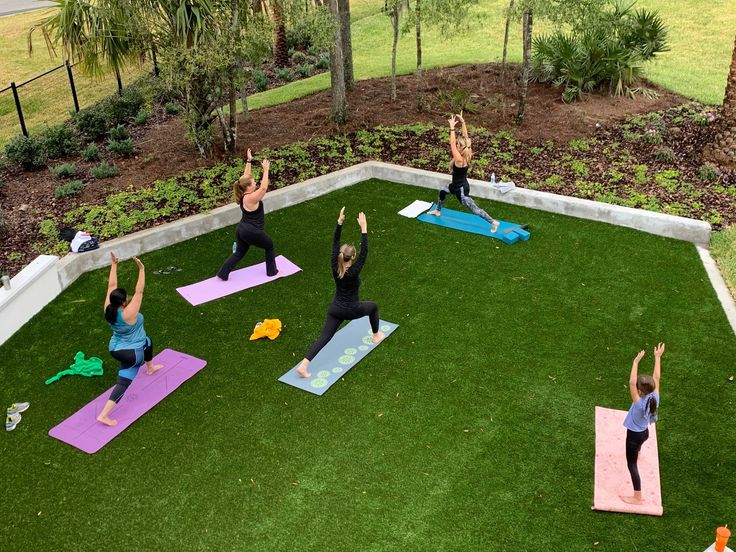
(346, 349)
(468, 222)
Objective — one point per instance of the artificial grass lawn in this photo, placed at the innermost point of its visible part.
(470, 428)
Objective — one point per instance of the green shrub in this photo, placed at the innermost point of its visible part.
(119, 108)
(284, 74)
(609, 54)
(90, 122)
(65, 170)
(69, 188)
(141, 118)
(665, 155)
(172, 108)
(298, 57)
(323, 62)
(60, 141)
(260, 80)
(104, 170)
(707, 173)
(305, 70)
(27, 152)
(119, 133)
(91, 153)
(124, 148)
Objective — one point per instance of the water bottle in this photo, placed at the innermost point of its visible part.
(493, 179)
(235, 247)
(6, 281)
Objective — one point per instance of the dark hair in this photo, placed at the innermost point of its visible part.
(645, 386)
(117, 298)
(67, 234)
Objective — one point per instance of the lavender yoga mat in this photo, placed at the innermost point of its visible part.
(82, 430)
(248, 277)
(612, 477)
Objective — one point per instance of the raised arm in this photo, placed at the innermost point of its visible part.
(633, 376)
(456, 157)
(358, 264)
(248, 159)
(658, 352)
(462, 122)
(112, 281)
(253, 198)
(336, 238)
(131, 310)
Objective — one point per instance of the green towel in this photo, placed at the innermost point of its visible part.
(81, 367)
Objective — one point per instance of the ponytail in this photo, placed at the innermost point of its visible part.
(241, 184)
(117, 298)
(346, 254)
(652, 406)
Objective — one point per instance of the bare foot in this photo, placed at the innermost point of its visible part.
(631, 499)
(302, 369)
(107, 421)
(153, 369)
(435, 213)
(378, 336)
(494, 226)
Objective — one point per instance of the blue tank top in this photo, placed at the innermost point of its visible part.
(639, 418)
(127, 336)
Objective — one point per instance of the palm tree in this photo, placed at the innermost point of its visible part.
(722, 151)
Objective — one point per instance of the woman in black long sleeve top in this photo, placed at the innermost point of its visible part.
(346, 304)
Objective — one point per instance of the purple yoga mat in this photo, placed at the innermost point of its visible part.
(248, 277)
(82, 430)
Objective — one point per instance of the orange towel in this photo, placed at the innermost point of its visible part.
(268, 328)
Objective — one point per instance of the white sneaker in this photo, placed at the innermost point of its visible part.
(11, 421)
(16, 408)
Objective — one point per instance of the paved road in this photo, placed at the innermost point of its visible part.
(16, 6)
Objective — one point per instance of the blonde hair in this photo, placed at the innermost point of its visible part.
(464, 146)
(241, 184)
(346, 250)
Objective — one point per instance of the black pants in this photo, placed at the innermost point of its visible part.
(634, 441)
(336, 315)
(129, 358)
(247, 235)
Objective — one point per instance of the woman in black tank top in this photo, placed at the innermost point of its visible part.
(459, 186)
(251, 228)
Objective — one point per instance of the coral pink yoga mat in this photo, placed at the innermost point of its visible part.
(82, 430)
(248, 277)
(612, 477)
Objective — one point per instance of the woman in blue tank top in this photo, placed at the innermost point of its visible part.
(129, 343)
(462, 153)
(643, 411)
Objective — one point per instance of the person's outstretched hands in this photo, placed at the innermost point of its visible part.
(659, 350)
(362, 222)
(248, 156)
(265, 164)
(639, 356)
(113, 258)
(341, 216)
(452, 122)
(460, 117)
(139, 263)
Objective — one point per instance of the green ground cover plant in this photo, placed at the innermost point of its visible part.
(470, 428)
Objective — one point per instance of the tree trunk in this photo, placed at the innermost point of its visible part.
(337, 71)
(526, 67)
(280, 47)
(231, 136)
(395, 20)
(506, 40)
(722, 151)
(347, 43)
(420, 99)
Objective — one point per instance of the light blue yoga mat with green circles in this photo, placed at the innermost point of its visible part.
(346, 349)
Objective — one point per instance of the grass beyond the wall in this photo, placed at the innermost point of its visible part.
(470, 428)
(723, 248)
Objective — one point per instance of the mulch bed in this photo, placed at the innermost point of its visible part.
(163, 151)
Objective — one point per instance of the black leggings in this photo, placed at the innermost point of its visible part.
(634, 441)
(336, 315)
(129, 358)
(248, 235)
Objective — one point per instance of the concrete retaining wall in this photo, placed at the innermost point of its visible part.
(52, 276)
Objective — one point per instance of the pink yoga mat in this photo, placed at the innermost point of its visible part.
(82, 430)
(248, 277)
(612, 477)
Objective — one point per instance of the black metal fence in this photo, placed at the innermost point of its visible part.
(31, 95)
